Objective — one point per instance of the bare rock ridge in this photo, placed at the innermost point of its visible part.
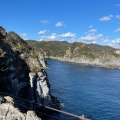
(22, 74)
(91, 54)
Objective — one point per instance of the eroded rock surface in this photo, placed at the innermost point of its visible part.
(9, 112)
(22, 74)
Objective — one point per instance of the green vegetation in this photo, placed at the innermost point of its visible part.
(18, 43)
(76, 49)
(19, 48)
(50, 48)
(37, 69)
(84, 49)
(2, 53)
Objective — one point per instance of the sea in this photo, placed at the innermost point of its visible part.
(83, 89)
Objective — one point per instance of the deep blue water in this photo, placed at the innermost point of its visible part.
(92, 91)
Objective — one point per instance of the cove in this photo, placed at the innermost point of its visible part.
(82, 89)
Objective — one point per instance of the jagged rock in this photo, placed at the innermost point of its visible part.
(8, 112)
(31, 116)
(9, 99)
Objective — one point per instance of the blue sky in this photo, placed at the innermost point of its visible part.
(88, 21)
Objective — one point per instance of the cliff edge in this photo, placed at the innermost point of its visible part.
(22, 72)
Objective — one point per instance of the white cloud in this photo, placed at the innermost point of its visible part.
(42, 32)
(90, 26)
(52, 37)
(93, 30)
(59, 24)
(118, 30)
(68, 35)
(24, 36)
(118, 16)
(106, 18)
(91, 38)
(113, 43)
(44, 21)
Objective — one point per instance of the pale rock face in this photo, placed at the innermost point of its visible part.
(32, 80)
(40, 74)
(117, 52)
(8, 112)
(42, 89)
(41, 60)
(36, 62)
(31, 116)
(9, 99)
(39, 88)
(33, 62)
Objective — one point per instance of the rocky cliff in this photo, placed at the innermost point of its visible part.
(91, 54)
(22, 71)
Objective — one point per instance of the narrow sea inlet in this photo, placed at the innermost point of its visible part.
(92, 91)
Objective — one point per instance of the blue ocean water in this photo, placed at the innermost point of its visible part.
(82, 89)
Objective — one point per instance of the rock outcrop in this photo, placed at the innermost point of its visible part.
(22, 74)
(9, 112)
(40, 89)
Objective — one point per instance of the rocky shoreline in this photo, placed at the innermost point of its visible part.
(77, 52)
(9, 112)
(96, 62)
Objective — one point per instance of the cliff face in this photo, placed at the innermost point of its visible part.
(91, 54)
(40, 90)
(22, 71)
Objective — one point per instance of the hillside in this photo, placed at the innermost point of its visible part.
(22, 73)
(91, 54)
(50, 48)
